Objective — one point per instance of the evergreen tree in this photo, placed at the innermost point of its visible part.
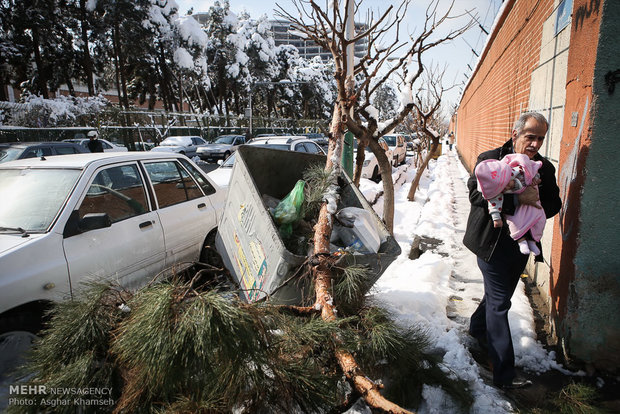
(221, 23)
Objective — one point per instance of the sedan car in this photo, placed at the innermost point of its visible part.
(370, 167)
(108, 146)
(221, 149)
(122, 217)
(20, 150)
(397, 143)
(186, 145)
(221, 175)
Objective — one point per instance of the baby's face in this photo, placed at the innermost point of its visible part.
(510, 185)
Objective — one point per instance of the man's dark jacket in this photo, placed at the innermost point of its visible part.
(94, 145)
(480, 235)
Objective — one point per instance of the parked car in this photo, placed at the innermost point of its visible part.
(143, 145)
(319, 139)
(99, 216)
(20, 150)
(221, 149)
(370, 167)
(186, 145)
(107, 145)
(221, 175)
(289, 142)
(396, 143)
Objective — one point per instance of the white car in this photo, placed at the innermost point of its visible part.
(221, 175)
(186, 145)
(107, 145)
(221, 149)
(370, 167)
(398, 146)
(105, 216)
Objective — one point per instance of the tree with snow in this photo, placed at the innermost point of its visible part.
(327, 27)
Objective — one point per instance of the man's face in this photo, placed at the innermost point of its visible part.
(530, 140)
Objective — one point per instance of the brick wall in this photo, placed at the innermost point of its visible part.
(500, 88)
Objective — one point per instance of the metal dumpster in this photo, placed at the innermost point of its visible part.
(248, 239)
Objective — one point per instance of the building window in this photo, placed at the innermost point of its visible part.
(562, 17)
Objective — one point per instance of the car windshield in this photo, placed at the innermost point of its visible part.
(274, 146)
(174, 141)
(229, 162)
(390, 139)
(225, 139)
(32, 198)
(9, 153)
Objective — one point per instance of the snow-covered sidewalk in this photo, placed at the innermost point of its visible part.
(441, 289)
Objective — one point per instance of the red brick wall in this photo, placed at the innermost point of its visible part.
(573, 152)
(500, 88)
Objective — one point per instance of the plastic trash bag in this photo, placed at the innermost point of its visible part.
(289, 210)
(357, 230)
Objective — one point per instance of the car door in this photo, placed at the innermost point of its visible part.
(196, 142)
(186, 213)
(131, 249)
(236, 142)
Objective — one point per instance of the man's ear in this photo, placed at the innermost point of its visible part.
(514, 134)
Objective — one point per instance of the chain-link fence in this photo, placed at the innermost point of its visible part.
(132, 127)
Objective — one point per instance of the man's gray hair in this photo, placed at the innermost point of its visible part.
(520, 124)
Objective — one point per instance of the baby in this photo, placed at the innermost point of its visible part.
(511, 175)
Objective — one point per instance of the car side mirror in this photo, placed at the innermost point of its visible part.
(94, 221)
(220, 162)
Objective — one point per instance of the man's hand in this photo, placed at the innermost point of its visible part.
(529, 197)
(498, 223)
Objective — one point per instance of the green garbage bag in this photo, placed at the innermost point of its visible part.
(289, 210)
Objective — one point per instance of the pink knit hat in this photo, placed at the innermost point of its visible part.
(530, 167)
(493, 176)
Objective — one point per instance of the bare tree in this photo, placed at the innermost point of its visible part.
(326, 26)
(429, 119)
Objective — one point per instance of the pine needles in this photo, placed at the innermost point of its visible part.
(170, 348)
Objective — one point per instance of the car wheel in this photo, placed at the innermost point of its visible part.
(17, 334)
(209, 254)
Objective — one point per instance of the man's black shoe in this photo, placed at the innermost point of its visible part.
(516, 383)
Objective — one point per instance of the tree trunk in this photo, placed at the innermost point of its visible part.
(69, 85)
(360, 156)
(323, 283)
(385, 167)
(418, 175)
(117, 68)
(121, 65)
(87, 61)
(41, 77)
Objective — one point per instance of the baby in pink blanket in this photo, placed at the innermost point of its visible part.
(511, 175)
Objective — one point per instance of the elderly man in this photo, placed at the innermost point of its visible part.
(498, 254)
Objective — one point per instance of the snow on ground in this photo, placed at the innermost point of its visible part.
(441, 289)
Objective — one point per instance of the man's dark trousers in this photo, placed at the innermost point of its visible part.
(501, 275)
